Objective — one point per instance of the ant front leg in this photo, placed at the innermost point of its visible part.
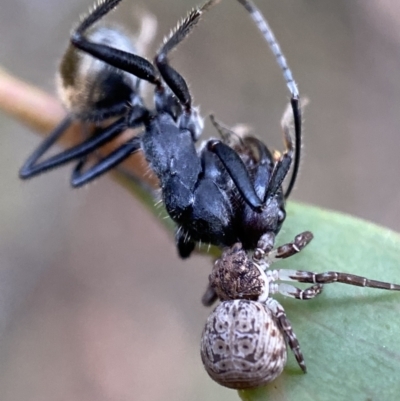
(237, 171)
(254, 193)
(284, 161)
(190, 119)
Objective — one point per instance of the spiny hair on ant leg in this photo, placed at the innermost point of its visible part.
(243, 344)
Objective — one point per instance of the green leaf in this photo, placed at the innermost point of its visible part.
(350, 336)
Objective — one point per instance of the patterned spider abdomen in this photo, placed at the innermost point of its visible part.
(242, 346)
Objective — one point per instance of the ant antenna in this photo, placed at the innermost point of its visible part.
(266, 31)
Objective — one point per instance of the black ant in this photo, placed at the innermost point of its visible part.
(228, 191)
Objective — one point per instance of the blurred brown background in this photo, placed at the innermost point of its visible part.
(94, 302)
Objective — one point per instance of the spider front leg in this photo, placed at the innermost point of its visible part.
(293, 292)
(335, 277)
(265, 260)
(265, 254)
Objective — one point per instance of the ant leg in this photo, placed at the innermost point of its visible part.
(228, 136)
(264, 165)
(237, 171)
(190, 119)
(80, 178)
(284, 166)
(278, 311)
(29, 169)
(131, 63)
(98, 139)
(81, 150)
(264, 162)
(173, 79)
(184, 245)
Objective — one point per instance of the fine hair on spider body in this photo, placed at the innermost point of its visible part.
(243, 344)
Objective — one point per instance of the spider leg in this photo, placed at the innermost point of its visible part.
(105, 164)
(281, 252)
(294, 292)
(291, 248)
(335, 277)
(283, 321)
(209, 296)
(29, 169)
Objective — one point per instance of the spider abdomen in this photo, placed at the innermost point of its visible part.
(242, 346)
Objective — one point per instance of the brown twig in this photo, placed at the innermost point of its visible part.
(42, 112)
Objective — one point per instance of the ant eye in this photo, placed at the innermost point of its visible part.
(281, 215)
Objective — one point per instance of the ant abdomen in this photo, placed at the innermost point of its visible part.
(91, 89)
